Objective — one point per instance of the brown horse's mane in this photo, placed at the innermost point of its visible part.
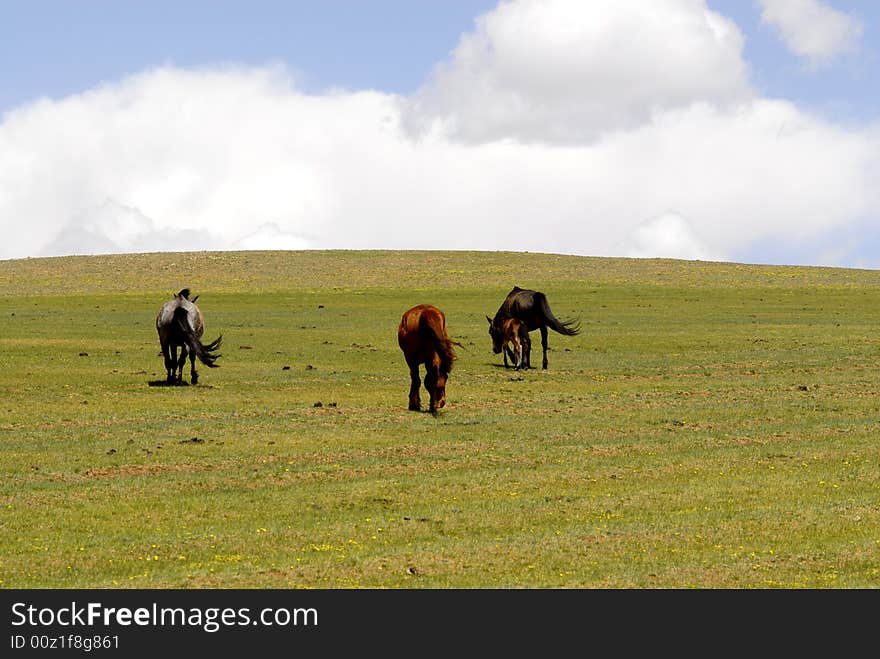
(431, 325)
(447, 355)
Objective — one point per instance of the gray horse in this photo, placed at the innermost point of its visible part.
(180, 324)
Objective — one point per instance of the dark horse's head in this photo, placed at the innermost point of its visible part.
(497, 334)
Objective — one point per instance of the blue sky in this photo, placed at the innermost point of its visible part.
(720, 130)
(57, 47)
(844, 89)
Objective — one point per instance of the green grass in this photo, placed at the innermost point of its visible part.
(713, 426)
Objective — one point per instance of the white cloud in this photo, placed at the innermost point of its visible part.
(107, 228)
(563, 70)
(240, 159)
(216, 152)
(667, 236)
(812, 29)
(270, 236)
(112, 228)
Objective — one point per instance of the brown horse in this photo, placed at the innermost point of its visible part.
(532, 308)
(180, 324)
(422, 337)
(513, 335)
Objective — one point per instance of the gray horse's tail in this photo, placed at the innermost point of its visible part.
(207, 354)
(567, 327)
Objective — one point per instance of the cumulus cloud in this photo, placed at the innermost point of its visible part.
(667, 236)
(113, 228)
(812, 29)
(206, 156)
(270, 236)
(564, 70)
(239, 158)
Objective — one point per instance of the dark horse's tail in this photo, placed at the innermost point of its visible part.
(207, 354)
(567, 327)
(443, 345)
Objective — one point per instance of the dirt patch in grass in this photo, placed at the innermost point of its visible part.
(123, 471)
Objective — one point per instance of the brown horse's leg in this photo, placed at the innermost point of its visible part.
(415, 404)
(544, 345)
(431, 386)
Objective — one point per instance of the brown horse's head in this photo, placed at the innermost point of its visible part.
(497, 336)
(435, 383)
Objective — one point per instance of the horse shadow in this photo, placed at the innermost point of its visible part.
(166, 383)
(502, 367)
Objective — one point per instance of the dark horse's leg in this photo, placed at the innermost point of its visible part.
(192, 367)
(544, 345)
(180, 362)
(415, 403)
(526, 361)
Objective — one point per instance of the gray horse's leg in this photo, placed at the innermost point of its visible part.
(169, 362)
(180, 363)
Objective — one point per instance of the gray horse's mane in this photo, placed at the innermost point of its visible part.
(184, 293)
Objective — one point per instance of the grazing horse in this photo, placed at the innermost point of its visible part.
(532, 308)
(422, 337)
(513, 336)
(180, 324)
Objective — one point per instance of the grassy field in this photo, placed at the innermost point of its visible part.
(713, 426)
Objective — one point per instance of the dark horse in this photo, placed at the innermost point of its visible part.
(180, 324)
(532, 309)
(423, 339)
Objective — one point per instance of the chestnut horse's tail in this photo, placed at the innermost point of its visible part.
(207, 354)
(433, 332)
